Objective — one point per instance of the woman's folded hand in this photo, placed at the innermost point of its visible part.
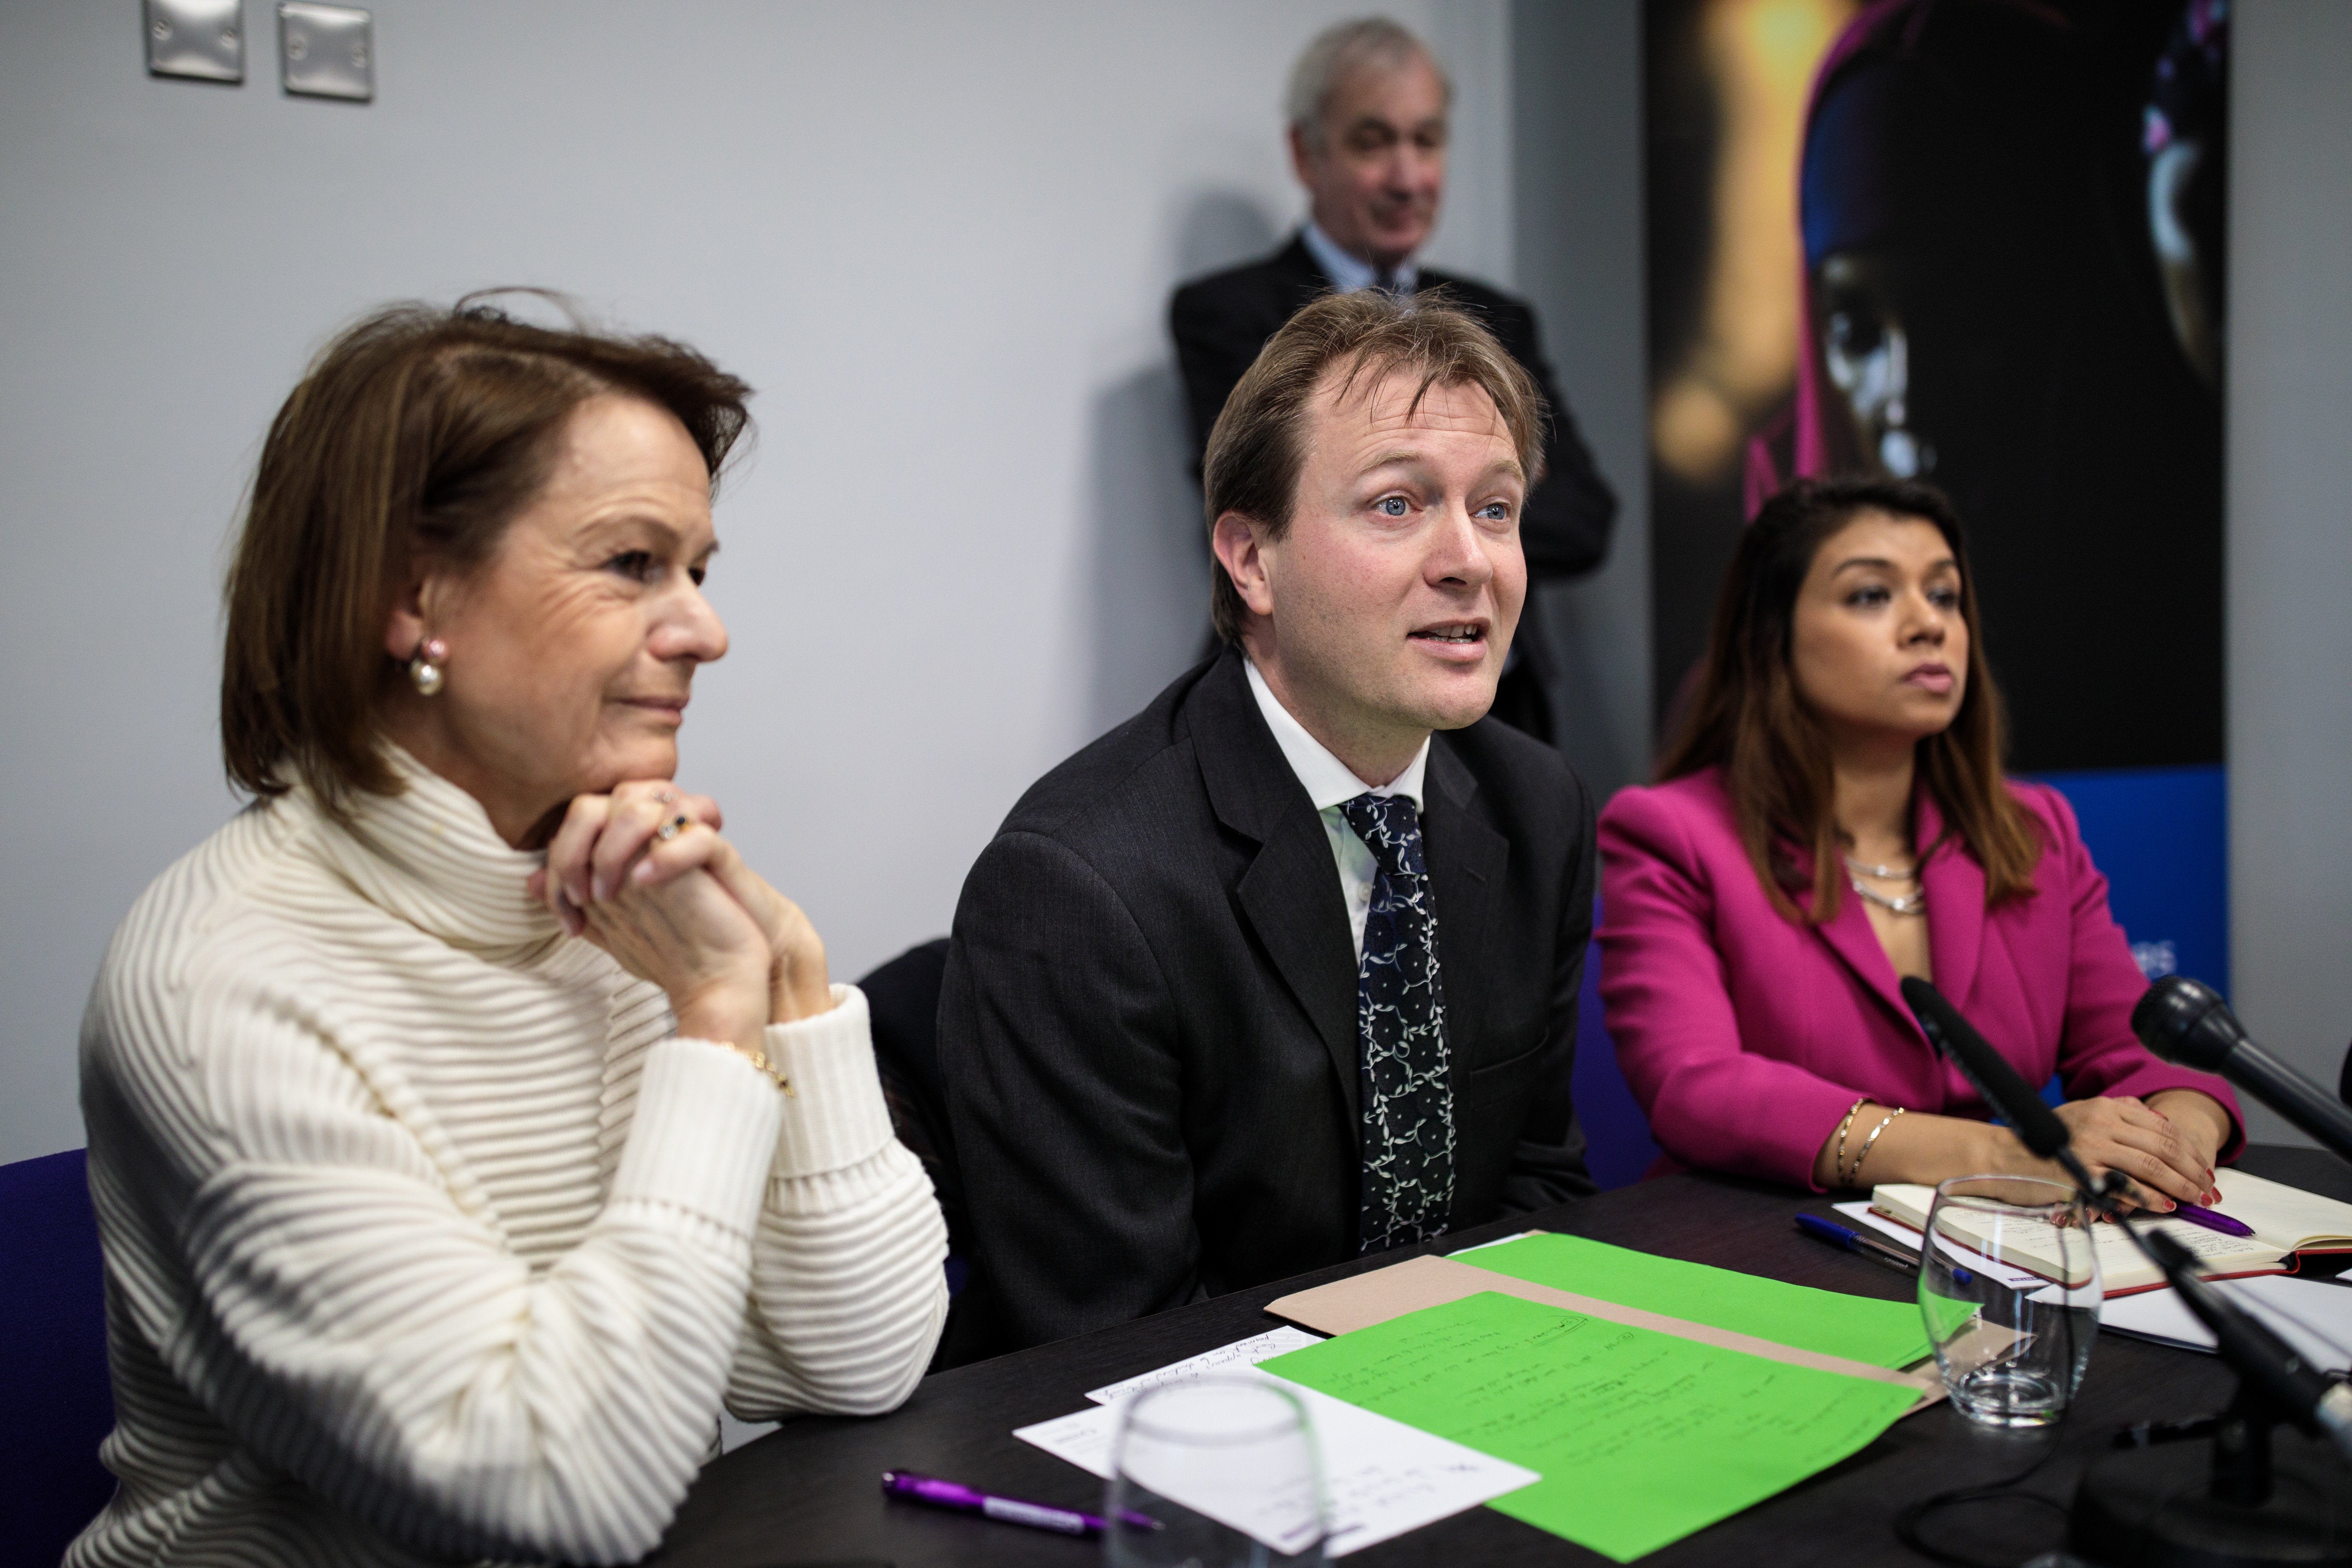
(2166, 1162)
(647, 836)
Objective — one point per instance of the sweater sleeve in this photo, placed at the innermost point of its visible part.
(848, 1283)
(354, 1313)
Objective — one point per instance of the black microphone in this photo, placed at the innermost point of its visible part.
(2000, 1085)
(2313, 1401)
(2317, 1403)
(2185, 1022)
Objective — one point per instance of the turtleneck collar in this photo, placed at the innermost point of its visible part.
(430, 856)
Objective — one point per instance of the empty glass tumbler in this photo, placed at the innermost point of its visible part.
(1207, 1472)
(2011, 1355)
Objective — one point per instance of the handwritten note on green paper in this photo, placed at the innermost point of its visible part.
(1641, 1437)
(1883, 1333)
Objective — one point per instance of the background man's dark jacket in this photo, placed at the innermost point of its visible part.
(1220, 322)
(1147, 1028)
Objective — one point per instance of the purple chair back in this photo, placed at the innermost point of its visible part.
(1618, 1147)
(56, 1402)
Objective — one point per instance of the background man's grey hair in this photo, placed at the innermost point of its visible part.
(1336, 51)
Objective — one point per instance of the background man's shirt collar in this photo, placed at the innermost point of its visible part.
(1349, 272)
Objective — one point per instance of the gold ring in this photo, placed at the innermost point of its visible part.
(668, 830)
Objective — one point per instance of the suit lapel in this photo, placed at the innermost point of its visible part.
(1300, 273)
(1849, 936)
(1955, 886)
(1467, 861)
(1290, 893)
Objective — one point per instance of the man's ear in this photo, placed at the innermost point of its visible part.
(1241, 546)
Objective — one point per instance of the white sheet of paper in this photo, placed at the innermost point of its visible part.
(1498, 1241)
(1381, 1477)
(2015, 1278)
(1224, 1358)
(2311, 1315)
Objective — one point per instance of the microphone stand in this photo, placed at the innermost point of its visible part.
(2145, 1507)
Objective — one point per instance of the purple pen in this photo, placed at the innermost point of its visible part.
(2196, 1215)
(958, 1499)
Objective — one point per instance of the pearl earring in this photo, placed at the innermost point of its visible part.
(425, 670)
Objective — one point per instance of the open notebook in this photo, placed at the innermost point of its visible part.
(2284, 1219)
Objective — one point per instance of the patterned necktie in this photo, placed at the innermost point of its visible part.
(1401, 1028)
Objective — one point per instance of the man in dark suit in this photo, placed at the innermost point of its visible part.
(1367, 131)
(1285, 969)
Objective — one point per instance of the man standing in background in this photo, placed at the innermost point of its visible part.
(1367, 106)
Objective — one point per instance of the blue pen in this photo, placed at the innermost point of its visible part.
(1852, 1240)
(2197, 1214)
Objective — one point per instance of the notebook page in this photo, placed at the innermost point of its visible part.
(2287, 1218)
(2121, 1263)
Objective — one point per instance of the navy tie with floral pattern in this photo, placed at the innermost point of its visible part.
(1401, 1029)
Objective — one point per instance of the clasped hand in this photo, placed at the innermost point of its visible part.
(2167, 1152)
(683, 911)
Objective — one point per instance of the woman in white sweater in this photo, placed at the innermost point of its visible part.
(466, 1121)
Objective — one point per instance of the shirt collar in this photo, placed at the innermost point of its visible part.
(1347, 271)
(1329, 780)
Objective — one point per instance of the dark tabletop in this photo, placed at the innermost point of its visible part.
(810, 1492)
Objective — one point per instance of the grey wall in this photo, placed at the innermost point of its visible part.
(938, 240)
(2290, 538)
(938, 237)
(1576, 95)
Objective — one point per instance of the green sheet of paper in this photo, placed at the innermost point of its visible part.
(1883, 1333)
(1641, 1437)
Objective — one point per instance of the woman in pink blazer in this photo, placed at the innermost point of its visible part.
(1834, 817)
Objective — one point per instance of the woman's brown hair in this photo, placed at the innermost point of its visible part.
(418, 431)
(1745, 716)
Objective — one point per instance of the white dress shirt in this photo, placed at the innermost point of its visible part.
(1330, 783)
(1348, 271)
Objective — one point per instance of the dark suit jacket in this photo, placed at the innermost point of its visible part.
(1220, 322)
(1147, 1028)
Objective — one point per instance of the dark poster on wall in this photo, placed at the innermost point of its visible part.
(1977, 242)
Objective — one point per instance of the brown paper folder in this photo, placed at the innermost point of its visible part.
(1419, 1282)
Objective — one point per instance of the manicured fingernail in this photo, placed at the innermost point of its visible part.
(643, 872)
(596, 889)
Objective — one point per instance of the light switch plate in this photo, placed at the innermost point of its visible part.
(199, 39)
(326, 51)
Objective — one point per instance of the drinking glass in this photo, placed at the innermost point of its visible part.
(1193, 1462)
(2009, 1357)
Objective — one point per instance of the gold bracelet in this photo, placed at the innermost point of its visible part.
(1874, 1132)
(1837, 1161)
(759, 1058)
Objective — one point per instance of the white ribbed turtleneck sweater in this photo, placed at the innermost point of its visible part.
(427, 1238)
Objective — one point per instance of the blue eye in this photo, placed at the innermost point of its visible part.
(1392, 505)
(1499, 511)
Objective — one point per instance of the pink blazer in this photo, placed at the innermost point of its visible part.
(1746, 1035)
